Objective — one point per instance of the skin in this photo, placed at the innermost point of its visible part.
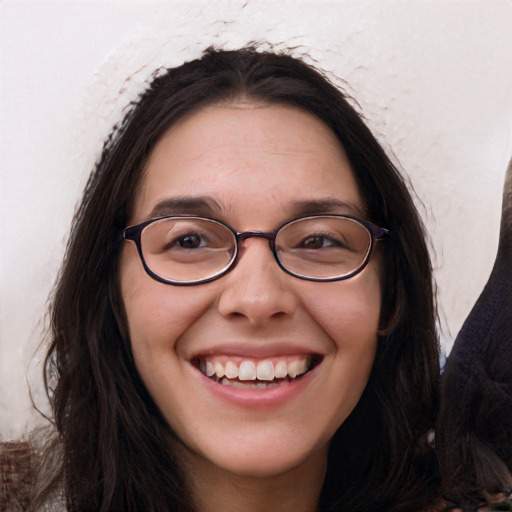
(257, 162)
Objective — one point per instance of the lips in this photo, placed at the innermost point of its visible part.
(253, 373)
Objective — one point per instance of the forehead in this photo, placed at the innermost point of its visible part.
(262, 156)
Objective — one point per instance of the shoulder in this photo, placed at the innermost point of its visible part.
(19, 464)
(16, 475)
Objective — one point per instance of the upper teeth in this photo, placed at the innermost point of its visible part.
(247, 370)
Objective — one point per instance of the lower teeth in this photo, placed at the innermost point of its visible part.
(249, 384)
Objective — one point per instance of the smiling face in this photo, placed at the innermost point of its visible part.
(253, 167)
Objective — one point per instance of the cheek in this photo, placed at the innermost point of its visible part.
(348, 312)
(157, 314)
(350, 309)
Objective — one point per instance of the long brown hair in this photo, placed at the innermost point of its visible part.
(116, 451)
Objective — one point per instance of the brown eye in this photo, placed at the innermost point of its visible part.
(314, 242)
(191, 241)
(319, 242)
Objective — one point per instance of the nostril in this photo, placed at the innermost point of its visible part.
(238, 314)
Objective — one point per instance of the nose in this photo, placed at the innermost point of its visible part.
(257, 289)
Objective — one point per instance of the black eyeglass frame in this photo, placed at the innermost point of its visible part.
(134, 234)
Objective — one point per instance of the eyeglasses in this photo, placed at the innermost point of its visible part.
(187, 250)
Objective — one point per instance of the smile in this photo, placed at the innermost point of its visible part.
(248, 373)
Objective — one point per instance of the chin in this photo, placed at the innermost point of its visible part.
(268, 456)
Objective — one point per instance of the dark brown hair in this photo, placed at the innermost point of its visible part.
(115, 443)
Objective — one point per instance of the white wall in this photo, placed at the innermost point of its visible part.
(433, 77)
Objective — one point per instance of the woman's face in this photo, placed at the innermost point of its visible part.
(253, 167)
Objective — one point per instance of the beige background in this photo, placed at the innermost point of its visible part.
(434, 79)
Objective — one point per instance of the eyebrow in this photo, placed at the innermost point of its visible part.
(203, 206)
(326, 205)
(207, 206)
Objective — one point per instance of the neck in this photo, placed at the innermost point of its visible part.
(296, 490)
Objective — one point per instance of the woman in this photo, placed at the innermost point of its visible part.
(192, 368)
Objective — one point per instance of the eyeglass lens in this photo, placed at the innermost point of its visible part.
(191, 249)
